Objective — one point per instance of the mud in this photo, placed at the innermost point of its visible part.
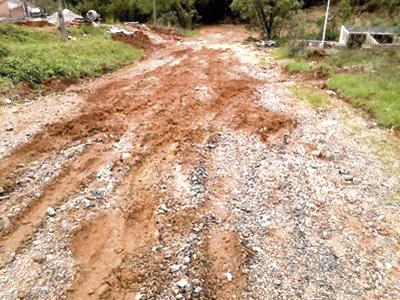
(171, 33)
(138, 39)
(115, 249)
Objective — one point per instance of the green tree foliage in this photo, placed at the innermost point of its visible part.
(268, 14)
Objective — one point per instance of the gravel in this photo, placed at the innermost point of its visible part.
(308, 208)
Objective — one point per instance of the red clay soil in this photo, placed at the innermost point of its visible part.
(115, 253)
(171, 33)
(138, 39)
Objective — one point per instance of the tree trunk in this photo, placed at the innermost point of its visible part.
(262, 20)
(61, 22)
(271, 18)
(154, 13)
(270, 25)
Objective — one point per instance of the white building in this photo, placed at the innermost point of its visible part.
(358, 37)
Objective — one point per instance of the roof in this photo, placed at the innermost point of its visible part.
(376, 30)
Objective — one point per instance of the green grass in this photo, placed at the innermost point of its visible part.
(294, 67)
(378, 96)
(313, 97)
(188, 32)
(368, 79)
(34, 56)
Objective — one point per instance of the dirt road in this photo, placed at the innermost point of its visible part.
(195, 175)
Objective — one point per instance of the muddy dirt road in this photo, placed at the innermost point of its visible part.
(194, 174)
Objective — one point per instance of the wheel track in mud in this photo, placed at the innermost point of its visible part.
(176, 120)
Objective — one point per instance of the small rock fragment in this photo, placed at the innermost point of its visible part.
(138, 296)
(229, 276)
(175, 268)
(38, 258)
(182, 283)
(348, 178)
(4, 223)
(331, 93)
(316, 153)
(22, 295)
(104, 291)
(87, 203)
(51, 212)
(278, 282)
(163, 209)
(125, 156)
(64, 225)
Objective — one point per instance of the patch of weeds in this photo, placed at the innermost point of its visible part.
(369, 79)
(6, 84)
(187, 32)
(280, 53)
(378, 96)
(88, 30)
(33, 56)
(294, 67)
(311, 96)
(323, 69)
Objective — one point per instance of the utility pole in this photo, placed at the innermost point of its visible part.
(26, 8)
(154, 13)
(61, 22)
(325, 24)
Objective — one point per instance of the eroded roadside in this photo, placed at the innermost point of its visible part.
(195, 175)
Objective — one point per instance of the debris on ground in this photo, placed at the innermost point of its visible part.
(266, 43)
(134, 186)
(136, 38)
(70, 18)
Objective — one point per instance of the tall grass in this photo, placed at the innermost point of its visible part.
(34, 56)
(369, 79)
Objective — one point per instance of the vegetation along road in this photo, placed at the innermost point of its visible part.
(197, 174)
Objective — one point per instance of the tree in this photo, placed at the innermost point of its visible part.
(154, 12)
(268, 14)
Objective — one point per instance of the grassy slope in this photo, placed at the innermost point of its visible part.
(368, 79)
(34, 56)
(377, 88)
